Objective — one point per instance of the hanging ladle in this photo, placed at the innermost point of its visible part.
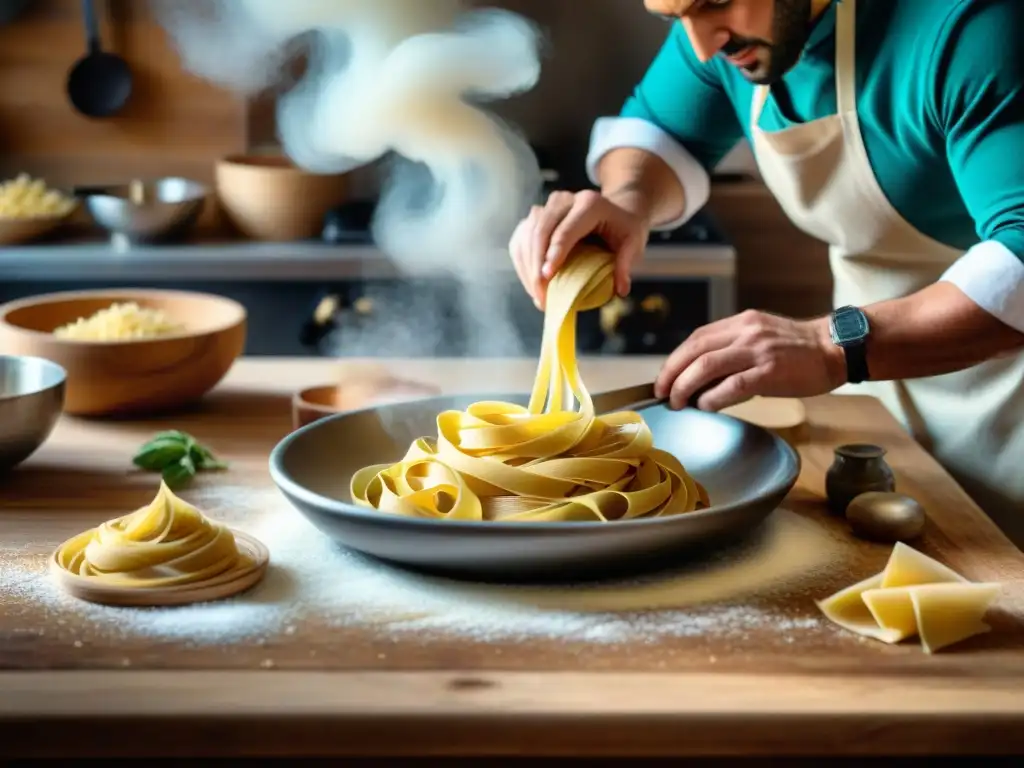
(100, 83)
(12, 9)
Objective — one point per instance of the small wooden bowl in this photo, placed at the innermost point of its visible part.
(266, 197)
(315, 403)
(131, 377)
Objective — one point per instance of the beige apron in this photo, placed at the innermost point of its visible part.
(972, 421)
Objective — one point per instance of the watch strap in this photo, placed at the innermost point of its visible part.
(849, 328)
(856, 362)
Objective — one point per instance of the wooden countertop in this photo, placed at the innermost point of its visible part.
(736, 660)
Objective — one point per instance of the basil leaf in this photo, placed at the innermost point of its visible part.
(211, 464)
(158, 454)
(200, 452)
(203, 458)
(178, 455)
(179, 473)
(173, 434)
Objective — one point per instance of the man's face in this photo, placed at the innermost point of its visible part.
(764, 38)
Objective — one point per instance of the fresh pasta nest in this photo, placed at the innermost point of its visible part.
(166, 547)
(547, 462)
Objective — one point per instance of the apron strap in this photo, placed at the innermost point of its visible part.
(846, 56)
(760, 97)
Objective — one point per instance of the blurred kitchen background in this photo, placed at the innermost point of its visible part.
(295, 249)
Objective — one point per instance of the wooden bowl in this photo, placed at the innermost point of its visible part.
(269, 198)
(315, 403)
(17, 231)
(135, 376)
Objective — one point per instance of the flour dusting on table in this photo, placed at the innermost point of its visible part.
(311, 579)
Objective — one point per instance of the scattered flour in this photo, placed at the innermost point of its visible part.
(312, 580)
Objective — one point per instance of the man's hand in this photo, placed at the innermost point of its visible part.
(638, 191)
(752, 354)
(543, 240)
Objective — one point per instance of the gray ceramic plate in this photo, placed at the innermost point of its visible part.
(746, 470)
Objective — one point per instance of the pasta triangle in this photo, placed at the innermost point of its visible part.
(914, 595)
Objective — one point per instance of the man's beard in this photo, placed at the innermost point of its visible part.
(790, 30)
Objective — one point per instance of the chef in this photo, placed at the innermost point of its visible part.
(892, 130)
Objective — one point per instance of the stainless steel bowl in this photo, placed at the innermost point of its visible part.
(168, 208)
(746, 469)
(31, 401)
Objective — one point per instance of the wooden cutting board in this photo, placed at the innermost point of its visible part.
(734, 642)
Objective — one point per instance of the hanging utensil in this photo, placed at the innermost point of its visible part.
(11, 9)
(100, 83)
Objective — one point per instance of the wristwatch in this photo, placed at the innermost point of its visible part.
(849, 329)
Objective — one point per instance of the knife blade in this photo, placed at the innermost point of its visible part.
(640, 396)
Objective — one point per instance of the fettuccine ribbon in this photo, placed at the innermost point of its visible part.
(545, 462)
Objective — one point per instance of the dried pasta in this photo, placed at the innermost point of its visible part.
(120, 322)
(168, 543)
(546, 462)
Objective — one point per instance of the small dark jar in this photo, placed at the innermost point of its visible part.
(858, 468)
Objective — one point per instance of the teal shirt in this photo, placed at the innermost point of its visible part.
(940, 98)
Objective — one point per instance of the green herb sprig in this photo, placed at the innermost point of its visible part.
(177, 456)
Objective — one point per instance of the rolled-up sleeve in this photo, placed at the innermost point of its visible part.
(678, 112)
(979, 106)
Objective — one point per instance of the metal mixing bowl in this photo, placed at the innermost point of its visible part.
(746, 469)
(169, 208)
(31, 401)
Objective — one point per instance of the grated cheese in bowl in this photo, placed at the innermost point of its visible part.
(121, 321)
(26, 198)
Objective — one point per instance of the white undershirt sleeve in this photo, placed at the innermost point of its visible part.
(992, 277)
(617, 132)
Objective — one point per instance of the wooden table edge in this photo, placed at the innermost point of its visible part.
(281, 712)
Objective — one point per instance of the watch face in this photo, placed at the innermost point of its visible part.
(850, 325)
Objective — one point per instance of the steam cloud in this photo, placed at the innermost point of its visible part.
(388, 76)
